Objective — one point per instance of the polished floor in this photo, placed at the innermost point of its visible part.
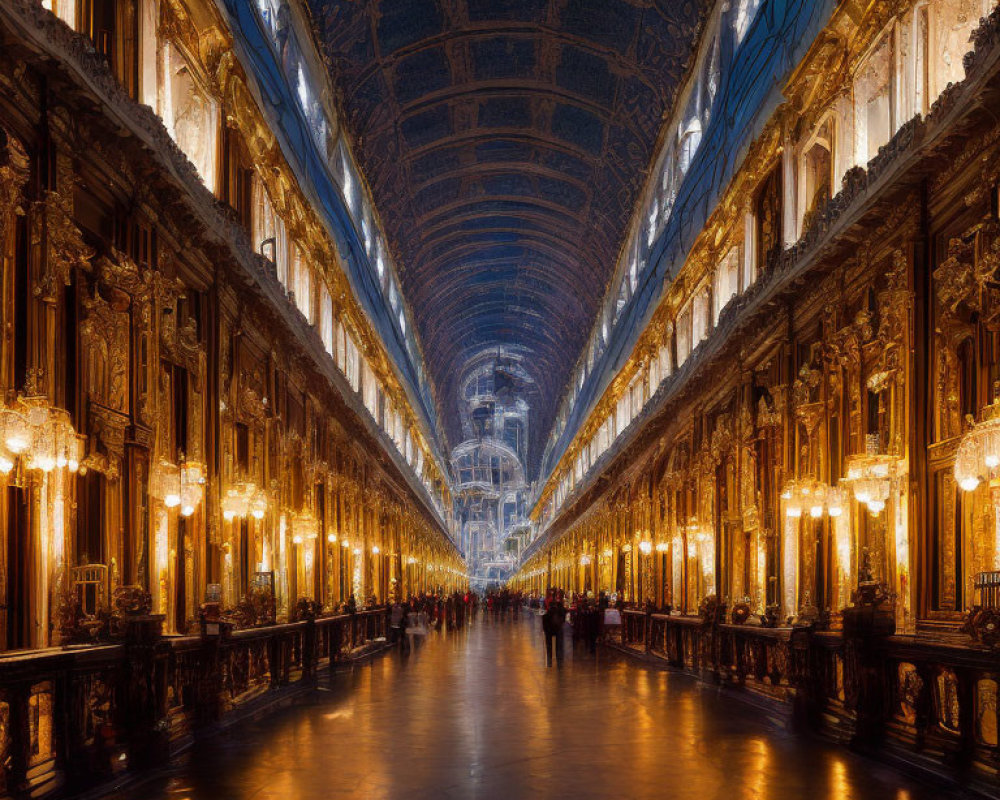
(476, 714)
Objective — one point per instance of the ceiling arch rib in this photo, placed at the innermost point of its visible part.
(505, 142)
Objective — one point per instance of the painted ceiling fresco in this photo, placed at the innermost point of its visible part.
(505, 142)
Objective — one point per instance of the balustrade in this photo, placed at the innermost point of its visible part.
(82, 715)
(925, 701)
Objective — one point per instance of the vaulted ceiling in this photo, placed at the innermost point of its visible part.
(505, 142)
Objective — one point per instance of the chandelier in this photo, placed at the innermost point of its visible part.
(40, 435)
(304, 526)
(813, 497)
(244, 499)
(870, 476)
(179, 485)
(978, 455)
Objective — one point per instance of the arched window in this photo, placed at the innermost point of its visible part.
(816, 172)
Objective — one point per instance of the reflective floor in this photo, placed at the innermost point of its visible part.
(476, 714)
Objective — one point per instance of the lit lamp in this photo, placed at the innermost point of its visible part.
(870, 476)
(244, 499)
(39, 434)
(813, 497)
(179, 486)
(192, 487)
(645, 547)
(978, 455)
(304, 526)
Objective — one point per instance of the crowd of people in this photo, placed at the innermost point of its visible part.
(412, 619)
(503, 604)
(585, 614)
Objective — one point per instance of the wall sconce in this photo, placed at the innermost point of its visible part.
(304, 526)
(978, 455)
(41, 435)
(179, 486)
(870, 476)
(814, 497)
(243, 499)
(645, 547)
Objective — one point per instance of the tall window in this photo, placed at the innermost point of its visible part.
(952, 23)
(684, 334)
(767, 220)
(189, 113)
(302, 283)
(326, 329)
(269, 233)
(873, 124)
(816, 174)
(727, 281)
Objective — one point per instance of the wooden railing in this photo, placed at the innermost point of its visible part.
(928, 701)
(80, 716)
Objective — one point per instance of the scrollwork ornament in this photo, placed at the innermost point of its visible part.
(14, 171)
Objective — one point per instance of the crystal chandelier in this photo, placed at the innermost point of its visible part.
(40, 435)
(244, 499)
(179, 486)
(812, 497)
(304, 526)
(978, 456)
(870, 476)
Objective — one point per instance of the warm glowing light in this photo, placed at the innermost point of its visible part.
(969, 483)
(375, 549)
(645, 547)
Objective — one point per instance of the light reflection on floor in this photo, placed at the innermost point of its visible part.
(476, 714)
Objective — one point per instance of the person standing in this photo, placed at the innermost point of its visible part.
(396, 615)
(552, 626)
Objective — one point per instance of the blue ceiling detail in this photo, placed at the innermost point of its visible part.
(505, 142)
